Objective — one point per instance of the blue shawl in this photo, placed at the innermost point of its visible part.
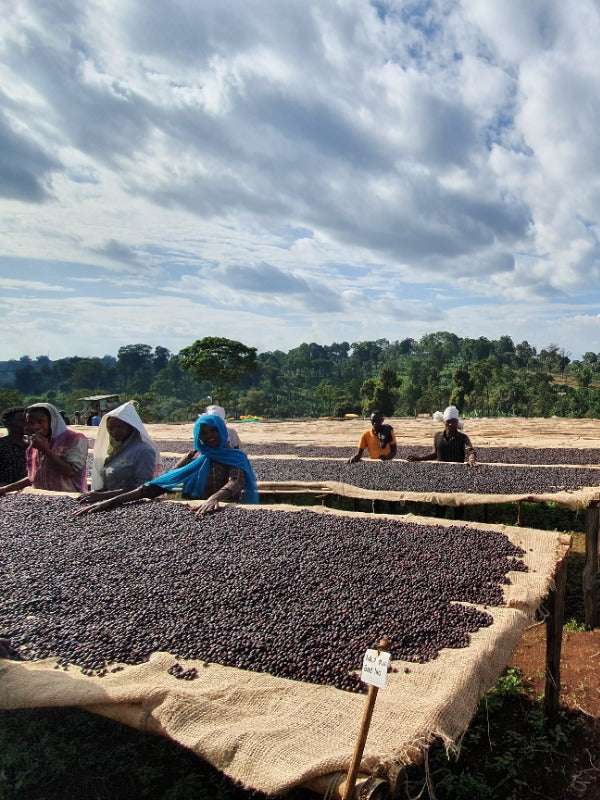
(191, 478)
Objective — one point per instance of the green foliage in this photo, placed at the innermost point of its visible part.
(10, 398)
(482, 377)
(509, 752)
(573, 626)
(220, 361)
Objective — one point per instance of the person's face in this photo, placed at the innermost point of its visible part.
(118, 429)
(451, 426)
(16, 424)
(210, 435)
(376, 423)
(37, 422)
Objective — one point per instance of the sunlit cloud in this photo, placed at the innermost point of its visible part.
(299, 171)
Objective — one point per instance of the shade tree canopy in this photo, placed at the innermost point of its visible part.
(220, 361)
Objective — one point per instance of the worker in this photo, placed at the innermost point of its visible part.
(124, 455)
(216, 473)
(232, 435)
(13, 462)
(380, 441)
(451, 444)
(56, 456)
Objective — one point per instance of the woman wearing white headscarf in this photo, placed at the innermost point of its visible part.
(124, 455)
(56, 456)
(217, 473)
(451, 444)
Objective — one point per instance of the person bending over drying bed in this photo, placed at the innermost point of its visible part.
(216, 473)
(124, 455)
(451, 444)
(380, 441)
(56, 456)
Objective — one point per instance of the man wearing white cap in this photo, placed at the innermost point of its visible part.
(451, 444)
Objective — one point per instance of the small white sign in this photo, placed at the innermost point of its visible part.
(375, 667)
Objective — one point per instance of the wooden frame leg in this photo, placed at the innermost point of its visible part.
(590, 570)
(554, 627)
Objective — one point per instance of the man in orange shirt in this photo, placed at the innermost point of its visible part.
(380, 441)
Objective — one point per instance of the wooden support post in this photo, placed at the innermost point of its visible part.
(590, 570)
(349, 793)
(554, 626)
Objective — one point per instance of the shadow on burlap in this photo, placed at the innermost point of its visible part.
(273, 733)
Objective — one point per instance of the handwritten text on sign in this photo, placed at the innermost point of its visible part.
(375, 667)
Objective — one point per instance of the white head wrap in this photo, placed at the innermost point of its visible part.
(128, 414)
(57, 423)
(450, 413)
(218, 410)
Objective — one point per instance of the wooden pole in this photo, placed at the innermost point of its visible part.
(554, 626)
(332, 787)
(590, 570)
(384, 644)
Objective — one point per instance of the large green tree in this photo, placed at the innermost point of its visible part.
(221, 361)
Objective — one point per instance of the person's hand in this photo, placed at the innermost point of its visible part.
(212, 504)
(104, 505)
(353, 460)
(39, 442)
(88, 497)
(472, 463)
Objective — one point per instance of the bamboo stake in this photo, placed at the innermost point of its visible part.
(384, 644)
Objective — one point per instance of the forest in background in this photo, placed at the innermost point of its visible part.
(482, 377)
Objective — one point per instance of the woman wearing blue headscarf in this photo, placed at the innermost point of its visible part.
(216, 473)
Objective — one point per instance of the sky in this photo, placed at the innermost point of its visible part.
(288, 171)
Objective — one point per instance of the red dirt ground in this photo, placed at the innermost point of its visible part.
(580, 694)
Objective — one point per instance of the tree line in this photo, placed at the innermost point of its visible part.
(482, 377)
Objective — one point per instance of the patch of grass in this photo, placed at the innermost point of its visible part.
(508, 753)
(574, 626)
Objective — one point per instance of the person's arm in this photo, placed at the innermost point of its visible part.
(391, 454)
(145, 491)
(393, 448)
(97, 495)
(15, 487)
(232, 489)
(470, 454)
(190, 456)
(362, 446)
(428, 457)
(357, 456)
(66, 468)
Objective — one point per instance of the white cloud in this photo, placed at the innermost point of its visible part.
(286, 168)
